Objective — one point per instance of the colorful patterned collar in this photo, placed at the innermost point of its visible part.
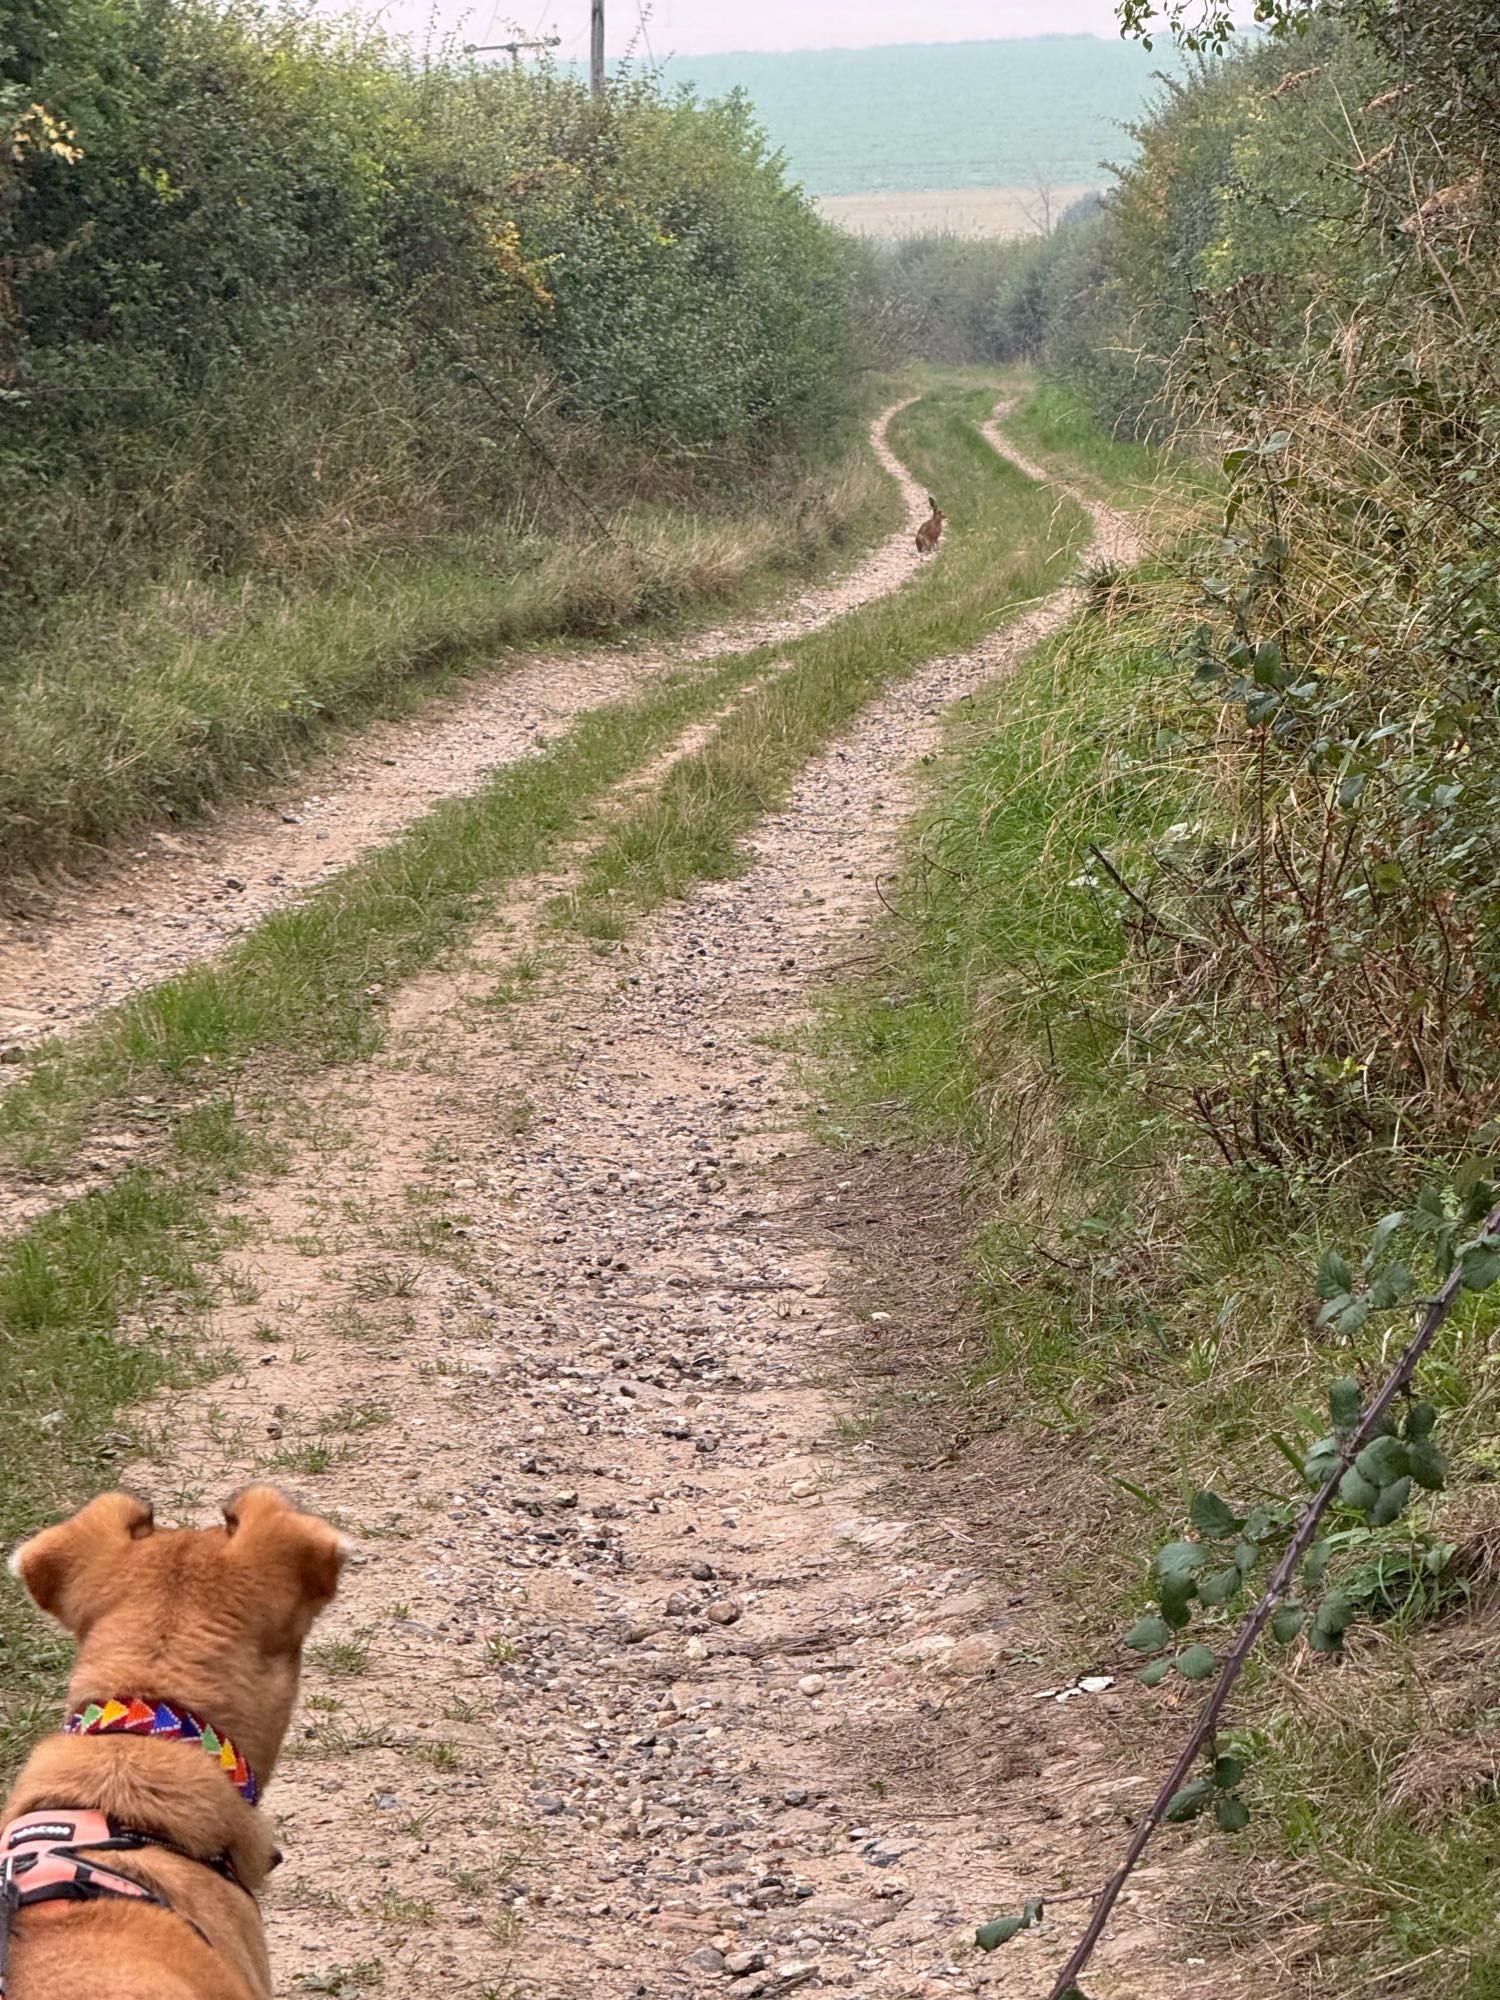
(159, 1718)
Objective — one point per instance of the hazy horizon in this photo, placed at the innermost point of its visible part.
(711, 27)
(909, 117)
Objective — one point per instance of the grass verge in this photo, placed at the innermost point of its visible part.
(75, 1292)
(116, 716)
(1053, 423)
(1147, 1317)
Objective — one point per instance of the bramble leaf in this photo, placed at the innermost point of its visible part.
(1190, 1801)
(1232, 1815)
(1394, 1282)
(1180, 1558)
(1287, 1621)
(1213, 1517)
(1346, 1402)
(1429, 1468)
(1155, 1674)
(1479, 1199)
(1176, 1597)
(1321, 1462)
(1480, 1266)
(1196, 1663)
(990, 1936)
(1358, 1492)
(1384, 1230)
(1392, 1502)
(1221, 1586)
(1334, 1275)
(1421, 1420)
(1335, 1613)
(1147, 1634)
(1315, 1563)
(1382, 1460)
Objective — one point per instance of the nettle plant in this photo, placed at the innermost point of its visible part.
(1381, 1451)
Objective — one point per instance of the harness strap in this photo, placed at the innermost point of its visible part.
(42, 1861)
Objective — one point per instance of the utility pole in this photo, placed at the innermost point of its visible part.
(596, 49)
(511, 49)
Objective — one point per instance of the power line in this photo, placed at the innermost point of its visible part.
(512, 49)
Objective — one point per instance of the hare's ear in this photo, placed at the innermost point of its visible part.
(289, 1562)
(75, 1570)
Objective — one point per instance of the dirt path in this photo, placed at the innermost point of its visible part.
(181, 896)
(1118, 537)
(634, 1686)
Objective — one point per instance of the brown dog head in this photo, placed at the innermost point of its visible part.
(210, 1619)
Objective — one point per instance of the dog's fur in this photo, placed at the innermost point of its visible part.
(211, 1620)
(931, 528)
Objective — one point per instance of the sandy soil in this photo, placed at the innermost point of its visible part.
(621, 1695)
(950, 211)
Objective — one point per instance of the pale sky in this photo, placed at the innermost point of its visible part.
(706, 27)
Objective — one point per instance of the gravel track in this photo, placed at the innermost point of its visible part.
(643, 1684)
(180, 897)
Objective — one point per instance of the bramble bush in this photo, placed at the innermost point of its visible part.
(1210, 963)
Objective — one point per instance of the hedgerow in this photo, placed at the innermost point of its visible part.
(272, 290)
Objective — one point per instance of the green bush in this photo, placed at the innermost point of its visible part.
(1297, 272)
(270, 291)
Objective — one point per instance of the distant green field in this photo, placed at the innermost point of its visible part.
(964, 115)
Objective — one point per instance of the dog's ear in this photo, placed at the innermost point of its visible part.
(73, 1571)
(289, 1561)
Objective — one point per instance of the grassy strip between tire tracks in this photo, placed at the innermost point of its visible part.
(310, 983)
(313, 979)
(1011, 544)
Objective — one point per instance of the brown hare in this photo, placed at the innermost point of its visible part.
(931, 528)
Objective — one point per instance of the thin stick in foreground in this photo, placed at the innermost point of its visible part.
(1437, 1311)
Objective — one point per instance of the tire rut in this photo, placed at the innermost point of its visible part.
(640, 1685)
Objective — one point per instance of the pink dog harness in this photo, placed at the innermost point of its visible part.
(41, 1861)
(42, 1853)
